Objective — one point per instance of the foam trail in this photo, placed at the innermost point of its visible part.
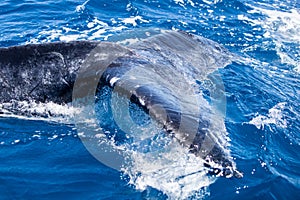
(30, 110)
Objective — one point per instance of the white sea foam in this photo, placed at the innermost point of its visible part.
(184, 3)
(95, 29)
(168, 166)
(38, 111)
(274, 116)
(211, 2)
(81, 7)
(282, 27)
(133, 20)
(171, 170)
(69, 38)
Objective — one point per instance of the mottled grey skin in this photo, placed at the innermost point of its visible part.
(47, 72)
(41, 72)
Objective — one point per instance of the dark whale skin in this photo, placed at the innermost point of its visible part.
(41, 72)
(47, 73)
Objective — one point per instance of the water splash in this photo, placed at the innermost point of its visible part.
(30, 110)
(274, 116)
(81, 8)
(172, 170)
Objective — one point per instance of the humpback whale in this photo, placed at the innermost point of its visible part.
(154, 73)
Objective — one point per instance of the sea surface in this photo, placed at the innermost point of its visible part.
(43, 158)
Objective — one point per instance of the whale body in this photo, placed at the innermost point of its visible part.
(148, 72)
(41, 72)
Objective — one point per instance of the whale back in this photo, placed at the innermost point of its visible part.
(41, 72)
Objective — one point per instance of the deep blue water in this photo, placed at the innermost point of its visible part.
(47, 160)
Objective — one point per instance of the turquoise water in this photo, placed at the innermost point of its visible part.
(42, 159)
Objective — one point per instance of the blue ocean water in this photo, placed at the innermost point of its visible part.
(42, 159)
